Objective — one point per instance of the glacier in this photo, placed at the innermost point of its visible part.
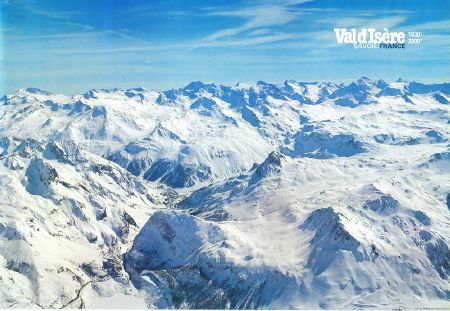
(298, 195)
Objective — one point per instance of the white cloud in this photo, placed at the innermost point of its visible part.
(259, 19)
(365, 21)
(436, 25)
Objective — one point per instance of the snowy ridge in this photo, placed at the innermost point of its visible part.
(291, 195)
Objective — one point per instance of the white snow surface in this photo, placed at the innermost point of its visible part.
(290, 196)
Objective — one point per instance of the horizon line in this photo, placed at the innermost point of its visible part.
(245, 83)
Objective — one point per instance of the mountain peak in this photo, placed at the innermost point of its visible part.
(195, 86)
(91, 94)
(35, 90)
(161, 131)
(94, 93)
(272, 164)
(274, 158)
(24, 92)
(138, 89)
(364, 79)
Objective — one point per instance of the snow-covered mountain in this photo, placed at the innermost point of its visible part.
(297, 195)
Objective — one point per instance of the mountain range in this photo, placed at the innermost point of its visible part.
(294, 195)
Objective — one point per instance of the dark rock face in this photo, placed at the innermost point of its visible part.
(422, 218)
(113, 267)
(127, 224)
(176, 175)
(128, 219)
(385, 204)
(250, 116)
(272, 164)
(435, 137)
(78, 107)
(439, 256)
(441, 99)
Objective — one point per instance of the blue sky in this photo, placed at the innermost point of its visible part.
(72, 46)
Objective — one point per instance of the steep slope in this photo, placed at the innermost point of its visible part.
(66, 216)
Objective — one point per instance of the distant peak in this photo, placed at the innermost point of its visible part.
(364, 80)
(35, 90)
(91, 94)
(287, 82)
(194, 86)
(243, 85)
(138, 89)
(262, 83)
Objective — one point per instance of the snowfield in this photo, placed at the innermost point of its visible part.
(290, 196)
